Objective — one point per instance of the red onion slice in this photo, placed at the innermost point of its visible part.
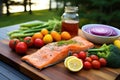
(101, 31)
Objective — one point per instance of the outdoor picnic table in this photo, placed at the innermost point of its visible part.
(7, 72)
(12, 68)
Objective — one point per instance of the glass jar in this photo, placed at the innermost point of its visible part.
(70, 20)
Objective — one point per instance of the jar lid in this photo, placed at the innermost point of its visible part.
(71, 9)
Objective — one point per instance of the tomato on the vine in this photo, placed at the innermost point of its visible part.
(21, 48)
(28, 41)
(13, 43)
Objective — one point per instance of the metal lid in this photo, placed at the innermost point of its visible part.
(71, 9)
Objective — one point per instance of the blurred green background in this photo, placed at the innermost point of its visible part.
(90, 11)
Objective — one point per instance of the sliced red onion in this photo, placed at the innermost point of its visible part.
(88, 30)
(101, 31)
(114, 33)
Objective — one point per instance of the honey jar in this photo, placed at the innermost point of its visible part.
(70, 20)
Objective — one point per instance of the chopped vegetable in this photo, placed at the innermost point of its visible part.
(110, 52)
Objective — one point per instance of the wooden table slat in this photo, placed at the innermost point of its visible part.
(8, 72)
(3, 77)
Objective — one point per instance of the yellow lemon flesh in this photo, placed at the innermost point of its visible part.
(66, 59)
(73, 64)
(117, 43)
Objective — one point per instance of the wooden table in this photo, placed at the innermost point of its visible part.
(56, 72)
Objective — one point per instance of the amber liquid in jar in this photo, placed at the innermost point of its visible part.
(70, 26)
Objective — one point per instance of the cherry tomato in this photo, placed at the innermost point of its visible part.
(75, 54)
(96, 64)
(21, 48)
(94, 57)
(87, 65)
(103, 61)
(88, 59)
(82, 55)
(28, 41)
(38, 43)
(13, 43)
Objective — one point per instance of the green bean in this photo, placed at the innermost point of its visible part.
(12, 32)
(23, 28)
(29, 29)
(40, 27)
(32, 31)
(17, 35)
(33, 24)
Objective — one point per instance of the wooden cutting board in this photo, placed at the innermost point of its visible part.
(55, 72)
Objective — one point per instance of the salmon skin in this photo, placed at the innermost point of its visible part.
(56, 51)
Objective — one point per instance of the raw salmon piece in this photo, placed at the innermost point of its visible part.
(52, 52)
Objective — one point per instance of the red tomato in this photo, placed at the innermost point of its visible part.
(21, 48)
(28, 41)
(75, 54)
(87, 65)
(13, 43)
(38, 43)
(96, 64)
(88, 59)
(82, 55)
(94, 57)
(103, 61)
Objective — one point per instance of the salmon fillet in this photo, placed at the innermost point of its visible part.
(56, 51)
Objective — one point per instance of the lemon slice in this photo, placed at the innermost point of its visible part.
(117, 43)
(74, 64)
(68, 58)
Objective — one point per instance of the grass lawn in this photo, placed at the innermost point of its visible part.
(21, 17)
